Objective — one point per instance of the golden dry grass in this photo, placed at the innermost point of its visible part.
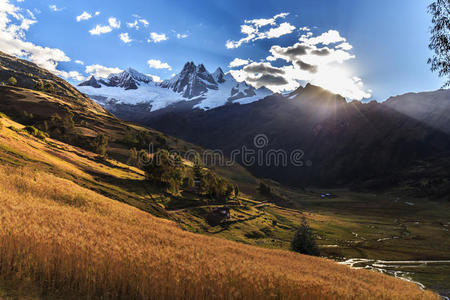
(74, 242)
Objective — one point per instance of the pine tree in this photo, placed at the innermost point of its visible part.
(303, 241)
(198, 168)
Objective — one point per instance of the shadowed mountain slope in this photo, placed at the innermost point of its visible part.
(343, 143)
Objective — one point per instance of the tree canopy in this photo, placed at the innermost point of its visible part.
(440, 38)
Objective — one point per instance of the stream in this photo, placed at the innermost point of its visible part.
(429, 274)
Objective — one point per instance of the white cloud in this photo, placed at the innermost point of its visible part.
(283, 29)
(97, 13)
(13, 27)
(80, 62)
(125, 38)
(252, 30)
(157, 64)
(137, 22)
(31, 14)
(265, 22)
(99, 29)
(100, 71)
(114, 23)
(54, 8)
(157, 37)
(319, 60)
(182, 35)
(155, 78)
(84, 16)
(144, 22)
(237, 62)
(133, 24)
(326, 38)
(345, 46)
(74, 75)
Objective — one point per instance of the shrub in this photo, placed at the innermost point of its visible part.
(100, 144)
(49, 88)
(12, 81)
(140, 139)
(165, 170)
(265, 189)
(36, 132)
(303, 241)
(39, 85)
(236, 191)
(214, 186)
(14, 128)
(133, 157)
(62, 127)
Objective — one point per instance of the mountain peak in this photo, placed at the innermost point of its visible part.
(189, 67)
(192, 81)
(132, 71)
(219, 75)
(92, 81)
(201, 68)
(136, 75)
(316, 95)
(129, 79)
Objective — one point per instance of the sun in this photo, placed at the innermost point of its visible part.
(339, 80)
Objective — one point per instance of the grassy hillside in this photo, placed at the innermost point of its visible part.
(62, 240)
(28, 75)
(79, 125)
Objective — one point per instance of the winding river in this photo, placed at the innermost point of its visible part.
(430, 274)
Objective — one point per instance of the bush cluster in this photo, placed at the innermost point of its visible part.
(36, 132)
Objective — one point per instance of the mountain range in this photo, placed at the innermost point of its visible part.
(194, 87)
(345, 143)
(404, 139)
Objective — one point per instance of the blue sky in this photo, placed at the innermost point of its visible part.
(385, 49)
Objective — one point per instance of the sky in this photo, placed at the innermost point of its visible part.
(362, 50)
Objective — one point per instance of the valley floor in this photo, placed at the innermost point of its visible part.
(352, 225)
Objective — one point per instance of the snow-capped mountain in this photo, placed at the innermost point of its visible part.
(192, 81)
(194, 86)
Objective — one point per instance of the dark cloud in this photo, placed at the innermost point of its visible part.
(321, 52)
(262, 68)
(306, 67)
(296, 50)
(267, 80)
(292, 51)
